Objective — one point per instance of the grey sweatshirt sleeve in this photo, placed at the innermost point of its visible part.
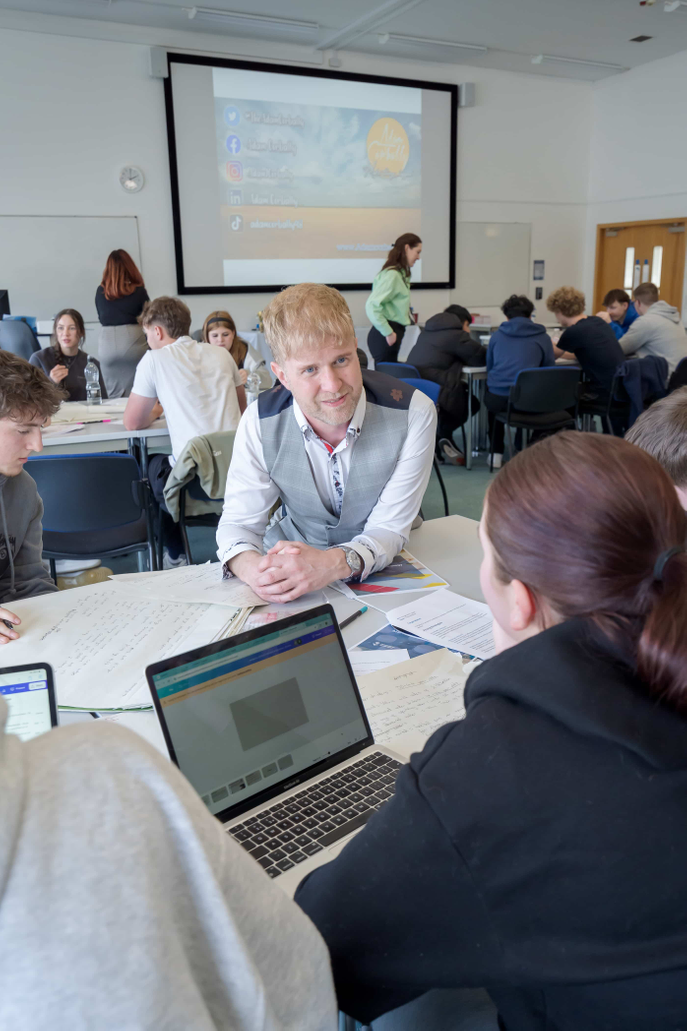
(30, 575)
(636, 336)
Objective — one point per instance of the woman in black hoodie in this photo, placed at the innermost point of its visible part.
(442, 350)
(537, 847)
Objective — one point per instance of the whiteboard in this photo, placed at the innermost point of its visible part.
(492, 262)
(48, 262)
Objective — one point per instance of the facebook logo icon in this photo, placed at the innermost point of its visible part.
(236, 223)
(233, 144)
(235, 198)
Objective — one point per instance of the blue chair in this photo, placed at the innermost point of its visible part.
(94, 505)
(432, 391)
(17, 337)
(399, 370)
(540, 399)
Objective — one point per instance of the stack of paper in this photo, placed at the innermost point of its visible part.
(200, 584)
(77, 411)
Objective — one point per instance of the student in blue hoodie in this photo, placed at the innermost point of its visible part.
(517, 344)
(620, 312)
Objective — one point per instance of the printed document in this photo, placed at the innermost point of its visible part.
(449, 620)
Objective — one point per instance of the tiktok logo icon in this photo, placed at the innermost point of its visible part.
(236, 223)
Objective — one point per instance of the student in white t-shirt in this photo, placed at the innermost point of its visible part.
(198, 387)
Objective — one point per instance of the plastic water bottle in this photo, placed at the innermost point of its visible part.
(252, 387)
(93, 395)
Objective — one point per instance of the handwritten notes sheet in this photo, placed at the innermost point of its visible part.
(99, 641)
(449, 620)
(418, 695)
(198, 584)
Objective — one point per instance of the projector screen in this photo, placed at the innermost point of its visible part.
(281, 175)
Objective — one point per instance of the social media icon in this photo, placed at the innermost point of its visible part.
(233, 144)
(236, 223)
(235, 198)
(234, 171)
(231, 116)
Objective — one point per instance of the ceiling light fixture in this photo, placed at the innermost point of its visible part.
(578, 60)
(366, 23)
(425, 41)
(257, 25)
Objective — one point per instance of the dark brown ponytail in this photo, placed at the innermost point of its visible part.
(582, 519)
(396, 257)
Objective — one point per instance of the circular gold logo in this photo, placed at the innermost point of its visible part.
(388, 148)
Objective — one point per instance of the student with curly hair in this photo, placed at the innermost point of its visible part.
(587, 338)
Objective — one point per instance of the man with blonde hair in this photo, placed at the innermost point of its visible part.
(347, 453)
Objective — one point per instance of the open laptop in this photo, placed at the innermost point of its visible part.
(30, 695)
(270, 729)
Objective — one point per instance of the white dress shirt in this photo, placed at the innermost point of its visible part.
(251, 493)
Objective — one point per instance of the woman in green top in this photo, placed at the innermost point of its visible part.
(388, 306)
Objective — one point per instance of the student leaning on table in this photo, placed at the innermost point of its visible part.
(388, 306)
(64, 361)
(27, 401)
(537, 848)
(125, 905)
(348, 454)
(220, 329)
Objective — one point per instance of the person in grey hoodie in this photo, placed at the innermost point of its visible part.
(125, 906)
(658, 331)
(27, 400)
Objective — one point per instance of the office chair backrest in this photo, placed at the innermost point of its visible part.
(17, 337)
(427, 387)
(87, 492)
(400, 370)
(679, 377)
(546, 390)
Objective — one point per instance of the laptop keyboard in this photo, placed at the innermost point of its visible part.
(294, 829)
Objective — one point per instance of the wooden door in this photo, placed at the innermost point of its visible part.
(640, 241)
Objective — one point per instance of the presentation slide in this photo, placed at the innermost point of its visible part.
(284, 177)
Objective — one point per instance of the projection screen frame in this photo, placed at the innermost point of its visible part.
(260, 66)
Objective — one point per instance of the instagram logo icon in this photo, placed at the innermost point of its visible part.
(234, 171)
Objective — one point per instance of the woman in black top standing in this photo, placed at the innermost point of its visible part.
(119, 301)
(537, 847)
(64, 361)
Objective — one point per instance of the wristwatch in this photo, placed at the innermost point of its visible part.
(354, 561)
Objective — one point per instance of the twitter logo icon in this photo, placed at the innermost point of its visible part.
(231, 116)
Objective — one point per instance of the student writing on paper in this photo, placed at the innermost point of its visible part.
(64, 361)
(129, 906)
(348, 454)
(199, 388)
(537, 848)
(27, 400)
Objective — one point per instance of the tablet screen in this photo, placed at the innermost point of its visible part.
(27, 694)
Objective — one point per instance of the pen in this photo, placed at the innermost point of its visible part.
(350, 619)
(10, 626)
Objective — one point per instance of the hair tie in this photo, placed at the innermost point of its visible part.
(663, 560)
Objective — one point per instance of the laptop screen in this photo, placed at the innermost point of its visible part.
(260, 710)
(27, 693)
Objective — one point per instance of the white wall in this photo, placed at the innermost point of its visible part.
(638, 167)
(76, 109)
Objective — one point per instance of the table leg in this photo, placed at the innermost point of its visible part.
(468, 434)
(140, 445)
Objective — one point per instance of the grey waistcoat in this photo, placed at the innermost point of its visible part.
(303, 517)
